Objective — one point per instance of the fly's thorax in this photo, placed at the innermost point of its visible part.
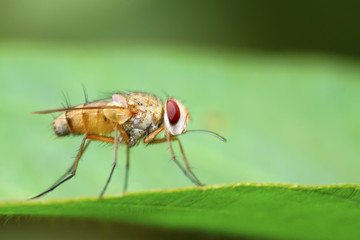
(148, 111)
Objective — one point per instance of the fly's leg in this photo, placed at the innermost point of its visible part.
(71, 171)
(115, 142)
(186, 161)
(152, 136)
(126, 138)
(127, 169)
(186, 171)
(115, 161)
(72, 166)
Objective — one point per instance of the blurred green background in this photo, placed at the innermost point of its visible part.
(280, 80)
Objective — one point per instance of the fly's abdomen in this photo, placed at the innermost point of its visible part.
(60, 126)
(84, 121)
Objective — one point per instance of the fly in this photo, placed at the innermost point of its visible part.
(130, 117)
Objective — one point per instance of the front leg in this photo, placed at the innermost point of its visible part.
(188, 171)
(153, 135)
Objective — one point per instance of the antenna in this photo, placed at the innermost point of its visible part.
(206, 132)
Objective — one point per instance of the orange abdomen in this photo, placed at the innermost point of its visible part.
(84, 121)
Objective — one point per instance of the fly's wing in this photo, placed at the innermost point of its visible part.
(120, 114)
(100, 120)
(78, 108)
(119, 102)
(115, 111)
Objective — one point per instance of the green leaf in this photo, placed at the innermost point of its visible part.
(237, 210)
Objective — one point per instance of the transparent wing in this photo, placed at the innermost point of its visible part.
(79, 108)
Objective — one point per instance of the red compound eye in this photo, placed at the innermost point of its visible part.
(173, 111)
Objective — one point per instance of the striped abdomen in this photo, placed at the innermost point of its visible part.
(84, 121)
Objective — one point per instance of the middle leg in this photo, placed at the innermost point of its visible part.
(115, 160)
(115, 141)
(127, 167)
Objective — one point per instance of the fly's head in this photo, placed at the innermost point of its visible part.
(176, 117)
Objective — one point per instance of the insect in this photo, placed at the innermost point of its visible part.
(126, 119)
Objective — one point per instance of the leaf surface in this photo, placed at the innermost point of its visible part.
(238, 210)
